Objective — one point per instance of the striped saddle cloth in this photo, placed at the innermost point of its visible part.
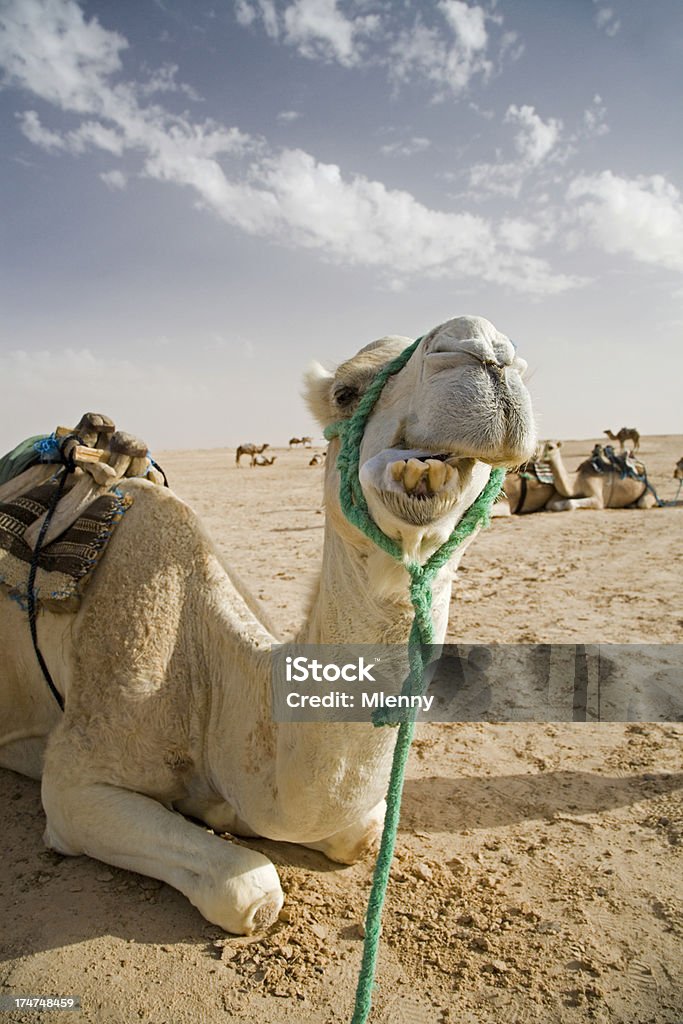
(66, 564)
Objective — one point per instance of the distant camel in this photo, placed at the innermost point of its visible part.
(306, 442)
(623, 434)
(263, 460)
(250, 449)
(318, 459)
(678, 475)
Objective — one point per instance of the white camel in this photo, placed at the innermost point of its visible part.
(165, 669)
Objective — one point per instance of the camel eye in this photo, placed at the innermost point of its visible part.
(344, 395)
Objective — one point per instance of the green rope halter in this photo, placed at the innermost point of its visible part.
(355, 508)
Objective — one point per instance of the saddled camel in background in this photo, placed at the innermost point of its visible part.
(546, 484)
(165, 669)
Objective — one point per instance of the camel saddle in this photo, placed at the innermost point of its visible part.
(66, 564)
(538, 470)
(59, 505)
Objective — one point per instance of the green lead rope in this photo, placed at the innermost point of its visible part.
(355, 508)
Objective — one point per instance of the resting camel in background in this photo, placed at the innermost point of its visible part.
(250, 449)
(625, 434)
(165, 669)
(544, 483)
(595, 487)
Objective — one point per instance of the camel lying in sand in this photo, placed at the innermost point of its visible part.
(545, 484)
(165, 669)
(596, 484)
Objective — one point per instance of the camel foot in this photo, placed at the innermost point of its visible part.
(245, 904)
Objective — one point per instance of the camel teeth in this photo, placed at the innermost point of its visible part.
(397, 470)
(436, 474)
(414, 471)
(449, 472)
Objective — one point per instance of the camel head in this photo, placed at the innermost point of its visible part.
(456, 408)
(678, 471)
(549, 450)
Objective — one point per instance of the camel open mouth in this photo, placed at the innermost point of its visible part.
(417, 487)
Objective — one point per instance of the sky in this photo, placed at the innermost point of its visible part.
(197, 199)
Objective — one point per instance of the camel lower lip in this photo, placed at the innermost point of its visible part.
(418, 510)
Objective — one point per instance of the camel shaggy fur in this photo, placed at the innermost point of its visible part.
(165, 669)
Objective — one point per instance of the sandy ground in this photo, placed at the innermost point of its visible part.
(538, 870)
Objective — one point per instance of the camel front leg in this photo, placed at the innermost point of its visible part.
(233, 887)
(569, 504)
(352, 843)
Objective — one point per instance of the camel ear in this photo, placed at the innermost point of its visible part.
(318, 392)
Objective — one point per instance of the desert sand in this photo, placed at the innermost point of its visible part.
(538, 872)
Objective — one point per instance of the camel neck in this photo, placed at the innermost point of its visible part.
(363, 595)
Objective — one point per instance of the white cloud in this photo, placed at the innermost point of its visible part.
(319, 29)
(114, 179)
(536, 137)
(594, 119)
(536, 142)
(641, 216)
(47, 47)
(248, 13)
(35, 132)
(288, 197)
(97, 136)
(361, 222)
(446, 45)
(468, 24)
(448, 54)
(413, 145)
(163, 80)
(606, 19)
(288, 116)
